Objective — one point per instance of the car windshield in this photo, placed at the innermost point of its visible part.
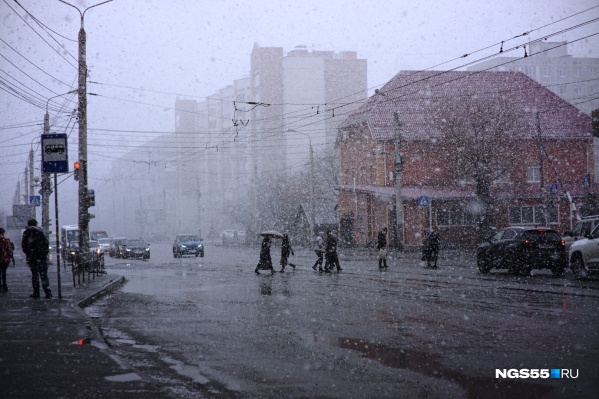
(189, 238)
(94, 244)
(104, 241)
(135, 243)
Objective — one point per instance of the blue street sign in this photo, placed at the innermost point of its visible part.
(586, 180)
(553, 189)
(423, 200)
(35, 200)
(54, 153)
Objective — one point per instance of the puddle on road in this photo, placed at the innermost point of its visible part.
(431, 365)
(187, 371)
(123, 377)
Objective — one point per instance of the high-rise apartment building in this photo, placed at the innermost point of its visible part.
(574, 79)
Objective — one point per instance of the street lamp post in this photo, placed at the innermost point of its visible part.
(312, 201)
(399, 217)
(83, 203)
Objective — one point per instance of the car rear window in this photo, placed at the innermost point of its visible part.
(541, 235)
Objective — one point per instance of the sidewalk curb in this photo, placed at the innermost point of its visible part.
(108, 288)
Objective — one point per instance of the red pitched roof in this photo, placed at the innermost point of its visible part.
(413, 93)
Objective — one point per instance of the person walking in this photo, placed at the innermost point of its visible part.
(5, 256)
(430, 248)
(265, 262)
(35, 246)
(381, 244)
(319, 250)
(332, 259)
(285, 251)
(12, 247)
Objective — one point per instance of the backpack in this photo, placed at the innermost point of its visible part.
(37, 243)
(5, 251)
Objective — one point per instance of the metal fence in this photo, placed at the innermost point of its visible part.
(90, 263)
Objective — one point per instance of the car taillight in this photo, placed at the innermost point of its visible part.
(563, 243)
(526, 242)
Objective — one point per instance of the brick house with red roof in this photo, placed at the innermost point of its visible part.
(366, 140)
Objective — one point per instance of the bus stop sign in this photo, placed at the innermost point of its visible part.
(54, 153)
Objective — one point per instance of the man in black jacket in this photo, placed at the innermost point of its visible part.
(36, 247)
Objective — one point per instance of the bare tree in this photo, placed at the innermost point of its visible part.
(477, 133)
(276, 199)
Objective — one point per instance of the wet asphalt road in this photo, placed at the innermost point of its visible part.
(210, 327)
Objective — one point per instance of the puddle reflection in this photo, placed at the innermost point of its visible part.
(430, 364)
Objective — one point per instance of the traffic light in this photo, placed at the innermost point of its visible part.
(76, 170)
(91, 198)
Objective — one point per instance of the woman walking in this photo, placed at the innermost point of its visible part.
(265, 262)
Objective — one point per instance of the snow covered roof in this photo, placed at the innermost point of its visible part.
(414, 95)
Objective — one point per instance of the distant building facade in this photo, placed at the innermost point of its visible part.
(367, 198)
(574, 79)
(257, 126)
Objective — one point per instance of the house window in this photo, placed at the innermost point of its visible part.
(547, 72)
(533, 174)
(532, 214)
(454, 217)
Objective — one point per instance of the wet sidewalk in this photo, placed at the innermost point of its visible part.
(49, 348)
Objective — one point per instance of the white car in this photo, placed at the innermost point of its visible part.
(584, 254)
(104, 244)
(581, 229)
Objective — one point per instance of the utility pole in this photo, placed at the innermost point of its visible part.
(312, 200)
(398, 171)
(46, 189)
(84, 216)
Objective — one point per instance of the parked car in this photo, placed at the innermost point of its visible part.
(521, 249)
(136, 248)
(188, 244)
(584, 254)
(104, 244)
(116, 247)
(581, 229)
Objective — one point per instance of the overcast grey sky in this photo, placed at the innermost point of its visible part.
(136, 49)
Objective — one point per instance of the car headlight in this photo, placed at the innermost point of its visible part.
(147, 249)
(183, 246)
(127, 249)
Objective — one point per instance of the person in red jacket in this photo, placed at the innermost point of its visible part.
(5, 259)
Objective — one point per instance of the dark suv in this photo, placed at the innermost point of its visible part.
(188, 244)
(521, 249)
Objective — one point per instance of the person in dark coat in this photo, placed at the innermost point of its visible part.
(331, 258)
(285, 251)
(430, 249)
(381, 245)
(5, 257)
(35, 246)
(265, 262)
(12, 247)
